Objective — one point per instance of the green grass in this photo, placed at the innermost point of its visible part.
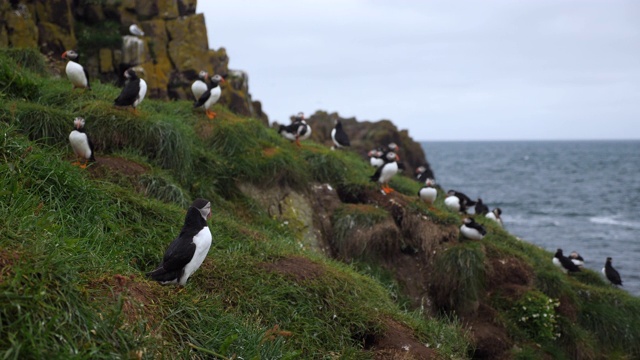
(74, 247)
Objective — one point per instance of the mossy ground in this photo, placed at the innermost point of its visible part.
(74, 245)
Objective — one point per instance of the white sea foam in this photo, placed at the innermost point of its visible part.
(613, 220)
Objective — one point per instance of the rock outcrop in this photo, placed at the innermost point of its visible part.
(174, 49)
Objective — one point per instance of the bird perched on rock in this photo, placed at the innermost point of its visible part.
(135, 30)
(495, 215)
(81, 143)
(296, 131)
(339, 137)
(458, 201)
(428, 192)
(133, 92)
(210, 96)
(76, 73)
(186, 253)
(611, 274)
(200, 86)
(576, 259)
(481, 208)
(385, 172)
(564, 263)
(472, 230)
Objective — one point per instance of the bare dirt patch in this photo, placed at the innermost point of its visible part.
(296, 267)
(106, 166)
(398, 342)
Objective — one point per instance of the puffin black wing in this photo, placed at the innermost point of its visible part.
(291, 128)
(129, 93)
(612, 274)
(341, 137)
(376, 176)
(203, 99)
(568, 264)
(423, 176)
(86, 74)
(475, 225)
(92, 158)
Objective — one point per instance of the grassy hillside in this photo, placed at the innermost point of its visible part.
(75, 244)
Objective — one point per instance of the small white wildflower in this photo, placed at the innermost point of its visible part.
(405, 347)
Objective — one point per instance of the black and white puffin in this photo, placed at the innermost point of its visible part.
(135, 30)
(495, 215)
(210, 96)
(564, 263)
(458, 201)
(611, 274)
(375, 157)
(472, 230)
(428, 192)
(76, 73)
(481, 208)
(421, 173)
(296, 131)
(200, 86)
(385, 172)
(186, 253)
(81, 143)
(339, 137)
(133, 92)
(576, 259)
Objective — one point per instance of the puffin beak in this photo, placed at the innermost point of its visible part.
(64, 54)
(210, 215)
(223, 80)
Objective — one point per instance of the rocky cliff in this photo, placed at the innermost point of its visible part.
(173, 50)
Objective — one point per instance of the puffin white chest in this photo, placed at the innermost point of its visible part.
(453, 203)
(202, 240)
(428, 194)
(198, 88)
(141, 93)
(333, 137)
(80, 144)
(213, 98)
(388, 170)
(75, 73)
(557, 263)
(376, 162)
(307, 134)
(471, 233)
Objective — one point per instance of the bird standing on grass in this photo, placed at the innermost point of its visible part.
(385, 172)
(428, 193)
(81, 143)
(187, 252)
(210, 96)
(297, 130)
(472, 230)
(458, 201)
(495, 215)
(564, 263)
(611, 274)
(339, 137)
(76, 73)
(576, 259)
(133, 92)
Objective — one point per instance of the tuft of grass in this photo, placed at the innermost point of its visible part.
(459, 274)
(160, 187)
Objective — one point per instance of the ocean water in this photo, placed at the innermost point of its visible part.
(579, 196)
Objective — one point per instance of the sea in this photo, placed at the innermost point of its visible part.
(579, 196)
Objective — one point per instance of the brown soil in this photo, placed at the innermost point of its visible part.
(296, 267)
(106, 166)
(398, 342)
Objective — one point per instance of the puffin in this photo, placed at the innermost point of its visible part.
(133, 92)
(339, 137)
(200, 86)
(186, 253)
(421, 173)
(81, 143)
(76, 73)
(458, 201)
(428, 193)
(611, 274)
(210, 96)
(472, 230)
(375, 157)
(135, 30)
(495, 215)
(564, 263)
(576, 259)
(385, 172)
(297, 130)
(481, 208)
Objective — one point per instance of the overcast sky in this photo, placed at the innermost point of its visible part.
(444, 70)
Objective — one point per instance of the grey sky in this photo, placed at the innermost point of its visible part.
(445, 70)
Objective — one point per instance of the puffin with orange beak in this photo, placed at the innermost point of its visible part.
(133, 92)
(385, 172)
(81, 143)
(76, 73)
(200, 86)
(211, 96)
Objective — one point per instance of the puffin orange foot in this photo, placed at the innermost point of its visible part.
(75, 163)
(83, 166)
(211, 115)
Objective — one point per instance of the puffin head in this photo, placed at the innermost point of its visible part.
(429, 182)
(497, 212)
(391, 156)
(203, 75)
(70, 54)
(78, 122)
(420, 169)
(204, 206)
